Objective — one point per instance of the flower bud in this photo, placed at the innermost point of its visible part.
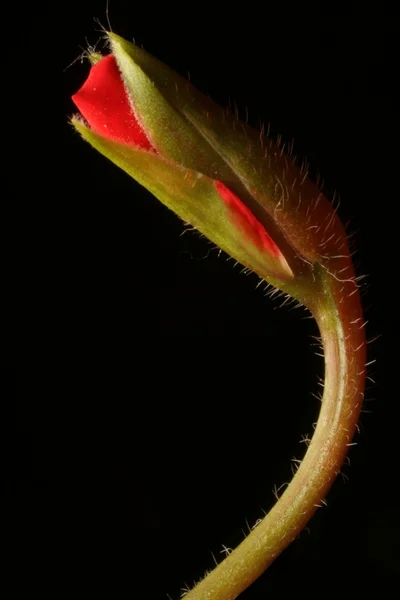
(232, 184)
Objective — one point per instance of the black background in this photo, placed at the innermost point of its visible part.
(177, 393)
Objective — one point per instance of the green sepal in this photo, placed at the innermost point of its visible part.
(229, 150)
(194, 198)
(166, 127)
(95, 57)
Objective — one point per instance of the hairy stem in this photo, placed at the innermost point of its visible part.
(339, 316)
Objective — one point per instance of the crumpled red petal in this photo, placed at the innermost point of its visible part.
(103, 102)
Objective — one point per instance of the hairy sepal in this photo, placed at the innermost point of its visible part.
(195, 199)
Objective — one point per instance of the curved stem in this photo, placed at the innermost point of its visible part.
(339, 316)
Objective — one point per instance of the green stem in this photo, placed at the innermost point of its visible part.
(339, 316)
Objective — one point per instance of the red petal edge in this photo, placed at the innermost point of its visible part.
(103, 102)
(244, 219)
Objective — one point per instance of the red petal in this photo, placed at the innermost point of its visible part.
(103, 102)
(244, 219)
